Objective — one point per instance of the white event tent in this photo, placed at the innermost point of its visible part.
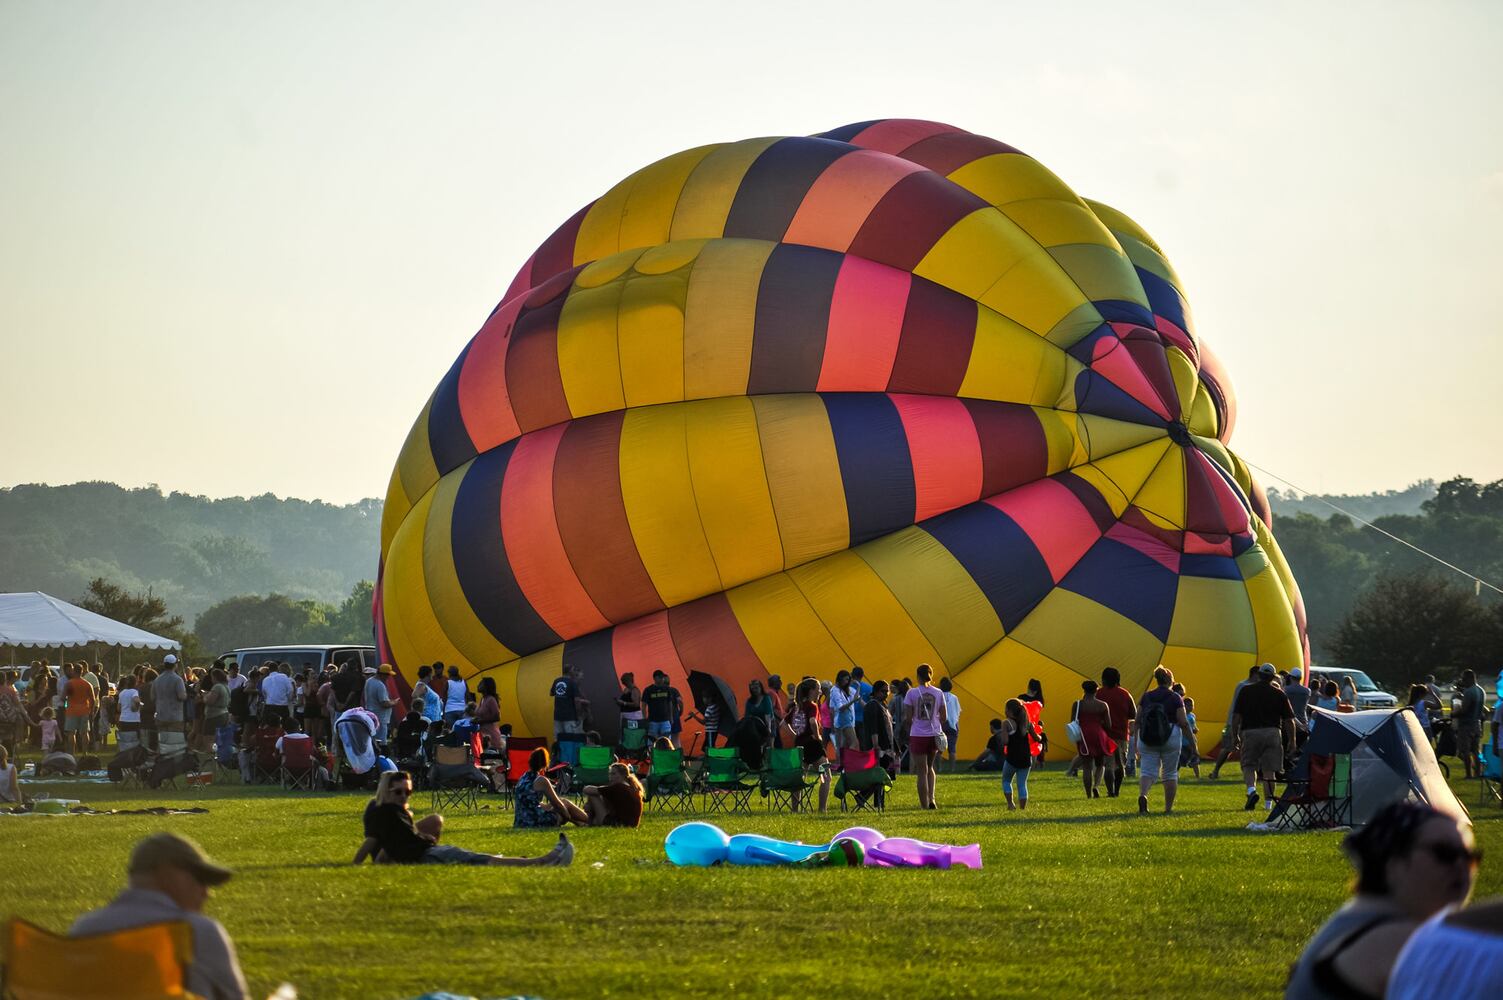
(40, 621)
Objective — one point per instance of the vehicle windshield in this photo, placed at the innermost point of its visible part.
(1364, 682)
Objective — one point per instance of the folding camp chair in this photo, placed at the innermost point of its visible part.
(723, 788)
(172, 758)
(1323, 798)
(143, 963)
(594, 768)
(633, 744)
(297, 767)
(455, 780)
(267, 767)
(1492, 774)
(783, 783)
(863, 779)
(226, 756)
(669, 788)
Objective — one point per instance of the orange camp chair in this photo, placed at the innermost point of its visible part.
(142, 963)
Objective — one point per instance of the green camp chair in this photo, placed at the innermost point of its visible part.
(783, 783)
(668, 786)
(633, 744)
(723, 788)
(594, 768)
(1341, 791)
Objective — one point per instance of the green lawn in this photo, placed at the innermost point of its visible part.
(1077, 898)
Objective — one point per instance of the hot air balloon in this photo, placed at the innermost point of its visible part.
(886, 395)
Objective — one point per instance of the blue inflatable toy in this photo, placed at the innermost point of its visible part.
(755, 849)
(697, 844)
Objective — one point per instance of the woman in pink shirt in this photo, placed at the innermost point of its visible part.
(924, 719)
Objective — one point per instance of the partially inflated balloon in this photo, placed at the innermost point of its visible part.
(887, 395)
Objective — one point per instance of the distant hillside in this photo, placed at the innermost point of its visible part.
(190, 550)
(1406, 502)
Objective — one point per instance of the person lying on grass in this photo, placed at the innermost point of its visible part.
(391, 835)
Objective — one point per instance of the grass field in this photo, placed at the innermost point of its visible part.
(1077, 898)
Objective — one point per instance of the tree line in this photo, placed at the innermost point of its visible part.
(1378, 605)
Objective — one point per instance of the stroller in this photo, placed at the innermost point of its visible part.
(127, 764)
(1445, 743)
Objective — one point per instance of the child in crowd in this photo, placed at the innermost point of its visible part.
(1190, 754)
(49, 730)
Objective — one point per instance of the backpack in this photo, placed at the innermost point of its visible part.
(1155, 728)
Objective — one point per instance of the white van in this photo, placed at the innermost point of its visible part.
(312, 655)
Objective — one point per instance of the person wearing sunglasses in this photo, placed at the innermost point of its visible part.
(391, 834)
(1412, 862)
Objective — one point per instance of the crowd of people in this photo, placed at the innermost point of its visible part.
(1415, 866)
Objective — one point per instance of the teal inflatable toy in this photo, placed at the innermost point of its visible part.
(697, 845)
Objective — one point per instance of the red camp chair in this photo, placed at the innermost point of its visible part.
(516, 766)
(268, 763)
(1323, 799)
(299, 767)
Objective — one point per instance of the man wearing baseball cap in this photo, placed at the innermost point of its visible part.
(1264, 720)
(169, 881)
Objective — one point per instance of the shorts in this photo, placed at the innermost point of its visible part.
(845, 738)
(274, 713)
(659, 729)
(918, 746)
(76, 724)
(570, 726)
(448, 854)
(1262, 751)
(952, 733)
(1468, 736)
(1161, 763)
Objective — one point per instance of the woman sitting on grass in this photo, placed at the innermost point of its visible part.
(10, 786)
(538, 803)
(392, 836)
(617, 803)
(1412, 861)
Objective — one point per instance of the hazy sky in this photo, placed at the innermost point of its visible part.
(240, 243)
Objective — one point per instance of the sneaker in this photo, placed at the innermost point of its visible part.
(562, 854)
(1143, 804)
(1252, 800)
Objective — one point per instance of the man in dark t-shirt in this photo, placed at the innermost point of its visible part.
(658, 701)
(568, 714)
(1123, 712)
(1264, 720)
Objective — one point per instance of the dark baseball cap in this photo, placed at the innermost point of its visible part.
(161, 849)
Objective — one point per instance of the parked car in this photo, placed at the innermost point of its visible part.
(307, 655)
(1369, 695)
